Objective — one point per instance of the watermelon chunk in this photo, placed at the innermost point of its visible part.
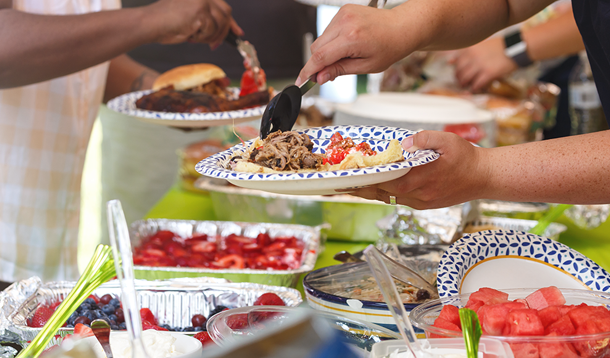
(441, 323)
(561, 327)
(557, 350)
(592, 348)
(549, 315)
(475, 305)
(493, 317)
(523, 322)
(451, 313)
(545, 297)
(525, 350)
(583, 313)
(485, 294)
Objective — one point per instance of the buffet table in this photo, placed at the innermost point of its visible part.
(185, 205)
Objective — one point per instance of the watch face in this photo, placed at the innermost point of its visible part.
(512, 39)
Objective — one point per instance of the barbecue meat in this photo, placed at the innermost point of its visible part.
(287, 151)
(169, 100)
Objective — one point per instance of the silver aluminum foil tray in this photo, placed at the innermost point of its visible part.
(173, 302)
(552, 231)
(185, 228)
(351, 218)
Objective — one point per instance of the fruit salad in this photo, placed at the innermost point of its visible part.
(165, 248)
(109, 309)
(542, 313)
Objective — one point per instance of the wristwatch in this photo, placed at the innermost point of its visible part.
(516, 49)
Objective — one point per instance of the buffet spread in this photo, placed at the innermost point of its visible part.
(217, 286)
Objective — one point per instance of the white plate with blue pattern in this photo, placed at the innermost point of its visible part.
(515, 259)
(126, 104)
(323, 183)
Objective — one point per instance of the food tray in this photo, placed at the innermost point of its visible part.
(289, 278)
(511, 209)
(173, 302)
(350, 218)
(552, 231)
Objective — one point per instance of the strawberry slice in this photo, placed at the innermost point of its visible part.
(204, 338)
(147, 315)
(82, 330)
(148, 325)
(41, 316)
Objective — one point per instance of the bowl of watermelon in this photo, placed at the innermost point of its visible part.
(536, 323)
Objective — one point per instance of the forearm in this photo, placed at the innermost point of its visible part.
(40, 47)
(572, 170)
(126, 75)
(556, 37)
(450, 24)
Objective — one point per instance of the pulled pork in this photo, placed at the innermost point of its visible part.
(286, 151)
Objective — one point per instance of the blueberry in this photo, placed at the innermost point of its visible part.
(91, 316)
(98, 313)
(108, 309)
(166, 326)
(123, 326)
(189, 329)
(112, 317)
(84, 307)
(198, 329)
(114, 327)
(116, 303)
(90, 301)
(73, 318)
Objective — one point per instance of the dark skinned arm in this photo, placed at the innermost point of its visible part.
(40, 47)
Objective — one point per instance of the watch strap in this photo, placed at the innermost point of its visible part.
(516, 49)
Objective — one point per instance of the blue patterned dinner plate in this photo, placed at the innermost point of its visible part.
(126, 104)
(323, 183)
(515, 259)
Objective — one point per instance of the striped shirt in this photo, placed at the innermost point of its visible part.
(44, 132)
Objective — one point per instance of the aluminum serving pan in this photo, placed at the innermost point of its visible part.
(310, 236)
(487, 223)
(350, 218)
(173, 302)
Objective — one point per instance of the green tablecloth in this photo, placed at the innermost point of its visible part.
(185, 205)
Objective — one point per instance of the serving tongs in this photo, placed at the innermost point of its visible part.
(397, 270)
(99, 270)
(123, 262)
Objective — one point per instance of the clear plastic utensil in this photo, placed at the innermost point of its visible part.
(392, 299)
(123, 262)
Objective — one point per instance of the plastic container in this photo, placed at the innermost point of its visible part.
(323, 291)
(488, 348)
(226, 327)
(424, 315)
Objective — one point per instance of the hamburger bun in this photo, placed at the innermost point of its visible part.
(189, 76)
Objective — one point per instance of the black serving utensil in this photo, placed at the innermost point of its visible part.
(283, 109)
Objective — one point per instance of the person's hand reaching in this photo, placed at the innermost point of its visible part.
(359, 39)
(477, 66)
(204, 21)
(457, 176)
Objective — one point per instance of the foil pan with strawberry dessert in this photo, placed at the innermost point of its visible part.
(271, 254)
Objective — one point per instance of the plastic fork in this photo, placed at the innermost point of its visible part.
(123, 262)
(395, 305)
(99, 270)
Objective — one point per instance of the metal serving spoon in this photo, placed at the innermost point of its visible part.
(101, 330)
(283, 109)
